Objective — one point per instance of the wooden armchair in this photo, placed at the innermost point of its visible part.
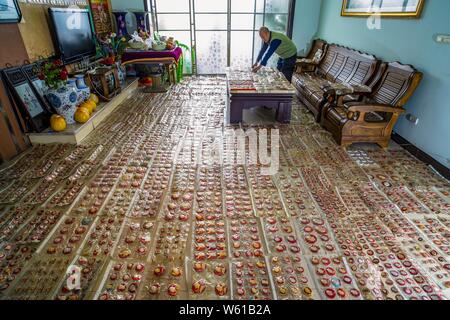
(372, 118)
(309, 62)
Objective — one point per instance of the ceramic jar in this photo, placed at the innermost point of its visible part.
(121, 25)
(64, 101)
(81, 85)
(71, 82)
(140, 20)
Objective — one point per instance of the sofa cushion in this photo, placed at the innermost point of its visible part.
(313, 82)
(310, 86)
(317, 56)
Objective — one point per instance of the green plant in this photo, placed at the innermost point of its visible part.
(111, 44)
(53, 73)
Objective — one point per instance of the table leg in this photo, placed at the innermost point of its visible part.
(173, 73)
(169, 72)
(284, 112)
(235, 112)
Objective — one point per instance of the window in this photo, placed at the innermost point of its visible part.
(223, 32)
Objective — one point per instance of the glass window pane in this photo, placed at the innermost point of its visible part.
(258, 45)
(173, 21)
(242, 6)
(211, 5)
(259, 21)
(211, 52)
(277, 6)
(172, 6)
(211, 21)
(242, 21)
(276, 22)
(260, 6)
(183, 37)
(241, 49)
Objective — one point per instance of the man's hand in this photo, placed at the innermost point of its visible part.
(256, 68)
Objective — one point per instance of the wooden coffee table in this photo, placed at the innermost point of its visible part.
(267, 88)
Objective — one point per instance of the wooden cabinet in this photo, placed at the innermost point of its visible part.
(12, 139)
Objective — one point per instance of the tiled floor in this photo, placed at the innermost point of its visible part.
(127, 217)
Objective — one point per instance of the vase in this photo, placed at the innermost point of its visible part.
(64, 101)
(140, 20)
(81, 85)
(122, 72)
(121, 23)
(72, 82)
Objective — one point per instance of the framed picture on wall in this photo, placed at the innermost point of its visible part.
(30, 105)
(10, 11)
(387, 8)
(101, 15)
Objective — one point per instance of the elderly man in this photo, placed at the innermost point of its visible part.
(275, 42)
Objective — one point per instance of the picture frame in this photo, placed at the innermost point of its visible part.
(101, 15)
(39, 86)
(384, 8)
(10, 11)
(33, 110)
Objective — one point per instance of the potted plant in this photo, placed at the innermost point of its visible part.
(111, 48)
(63, 98)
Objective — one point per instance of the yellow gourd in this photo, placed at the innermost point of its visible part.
(58, 123)
(81, 115)
(94, 104)
(89, 105)
(94, 98)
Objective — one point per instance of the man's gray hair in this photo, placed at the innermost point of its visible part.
(264, 29)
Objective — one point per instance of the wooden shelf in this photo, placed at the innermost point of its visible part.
(75, 133)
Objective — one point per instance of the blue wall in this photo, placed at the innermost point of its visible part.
(118, 5)
(409, 41)
(306, 23)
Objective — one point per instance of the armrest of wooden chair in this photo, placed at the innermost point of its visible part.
(358, 110)
(347, 93)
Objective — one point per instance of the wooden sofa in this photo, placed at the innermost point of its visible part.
(373, 116)
(340, 68)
